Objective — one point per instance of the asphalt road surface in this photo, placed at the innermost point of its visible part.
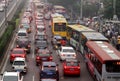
(33, 70)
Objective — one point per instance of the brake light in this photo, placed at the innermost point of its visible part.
(74, 55)
(29, 46)
(78, 67)
(62, 54)
(65, 67)
(37, 58)
(50, 58)
(13, 56)
(23, 56)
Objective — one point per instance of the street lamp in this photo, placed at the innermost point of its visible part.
(114, 12)
(5, 13)
(81, 9)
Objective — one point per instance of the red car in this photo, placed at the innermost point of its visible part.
(44, 55)
(17, 52)
(71, 67)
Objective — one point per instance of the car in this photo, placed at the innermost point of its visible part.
(11, 76)
(40, 44)
(1, 8)
(66, 52)
(40, 35)
(24, 43)
(19, 64)
(17, 52)
(71, 67)
(22, 33)
(43, 56)
(49, 70)
(40, 28)
(56, 41)
(46, 79)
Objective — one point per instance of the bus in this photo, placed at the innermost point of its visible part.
(59, 24)
(59, 9)
(102, 61)
(78, 35)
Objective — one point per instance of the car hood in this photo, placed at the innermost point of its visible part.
(48, 79)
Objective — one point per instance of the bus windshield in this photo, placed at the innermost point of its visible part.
(113, 66)
(60, 27)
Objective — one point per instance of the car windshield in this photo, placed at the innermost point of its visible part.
(44, 55)
(50, 67)
(22, 34)
(48, 74)
(18, 52)
(41, 43)
(68, 50)
(10, 78)
(72, 64)
(19, 63)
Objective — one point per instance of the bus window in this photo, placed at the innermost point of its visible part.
(60, 27)
(75, 35)
(113, 66)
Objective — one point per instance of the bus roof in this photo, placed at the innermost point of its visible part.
(59, 20)
(104, 51)
(80, 28)
(96, 36)
(58, 6)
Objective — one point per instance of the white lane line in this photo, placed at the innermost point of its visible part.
(33, 78)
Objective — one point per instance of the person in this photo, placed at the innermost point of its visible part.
(118, 43)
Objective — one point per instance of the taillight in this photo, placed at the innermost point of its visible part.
(78, 67)
(74, 55)
(50, 58)
(28, 46)
(23, 56)
(37, 58)
(62, 54)
(13, 56)
(65, 67)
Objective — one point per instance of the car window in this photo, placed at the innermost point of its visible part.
(19, 63)
(18, 52)
(72, 64)
(10, 78)
(68, 50)
(50, 67)
(22, 34)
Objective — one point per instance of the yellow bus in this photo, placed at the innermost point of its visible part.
(59, 24)
(78, 35)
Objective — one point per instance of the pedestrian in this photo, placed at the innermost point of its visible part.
(118, 43)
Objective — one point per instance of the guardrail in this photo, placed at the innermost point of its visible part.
(9, 16)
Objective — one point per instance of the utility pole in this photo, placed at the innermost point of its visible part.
(5, 13)
(114, 12)
(81, 9)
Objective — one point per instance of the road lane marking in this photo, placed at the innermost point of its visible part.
(33, 78)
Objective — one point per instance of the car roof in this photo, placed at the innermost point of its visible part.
(71, 60)
(22, 30)
(11, 73)
(49, 63)
(45, 79)
(66, 47)
(18, 49)
(19, 59)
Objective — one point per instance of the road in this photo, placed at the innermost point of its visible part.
(2, 14)
(33, 70)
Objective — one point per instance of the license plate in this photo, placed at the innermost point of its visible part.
(44, 58)
(71, 69)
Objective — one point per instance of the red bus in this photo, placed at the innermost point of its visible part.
(103, 61)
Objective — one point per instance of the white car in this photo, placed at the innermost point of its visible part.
(19, 64)
(1, 8)
(66, 52)
(22, 33)
(11, 76)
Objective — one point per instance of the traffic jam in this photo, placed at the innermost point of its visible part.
(40, 55)
(49, 69)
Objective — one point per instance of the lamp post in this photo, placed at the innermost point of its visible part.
(5, 13)
(81, 9)
(114, 11)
